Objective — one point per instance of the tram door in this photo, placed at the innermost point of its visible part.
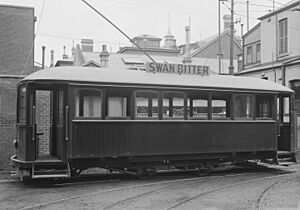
(49, 120)
(284, 138)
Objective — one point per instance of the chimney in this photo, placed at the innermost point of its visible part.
(227, 22)
(52, 58)
(43, 56)
(65, 56)
(87, 45)
(104, 57)
(187, 58)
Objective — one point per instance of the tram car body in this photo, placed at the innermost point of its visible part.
(73, 118)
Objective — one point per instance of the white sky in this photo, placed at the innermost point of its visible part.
(63, 22)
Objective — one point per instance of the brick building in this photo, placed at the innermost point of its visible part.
(16, 60)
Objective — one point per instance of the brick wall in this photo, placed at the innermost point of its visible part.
(16, 58)
(43, 121)
(8, 95)
(17, 34)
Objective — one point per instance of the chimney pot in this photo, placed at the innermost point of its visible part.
(52, 58)
(43, 56)
(87, 45)
(104, 48)
(227, 22)
(65, 56)
(104, 56)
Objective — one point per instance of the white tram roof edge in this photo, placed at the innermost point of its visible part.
(126, 76)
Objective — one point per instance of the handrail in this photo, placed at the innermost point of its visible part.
(33, 122)
(66, 123)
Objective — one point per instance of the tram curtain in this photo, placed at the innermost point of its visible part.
(88, 104)
(117, 106)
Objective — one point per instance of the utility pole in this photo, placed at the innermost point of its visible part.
(247, 15)
(231, 67)
(188, 58)
(219, 39)
(242, 30)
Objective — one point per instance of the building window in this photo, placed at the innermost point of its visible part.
(88, 103)
(249, 55)
(146, 104)
(173, 105)
(283, 37)
(243, 107)
(258, 55)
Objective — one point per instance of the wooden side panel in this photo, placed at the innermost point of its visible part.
(109, 139)
(30, 145)
(21, 151)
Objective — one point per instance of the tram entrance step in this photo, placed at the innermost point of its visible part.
(59, 170)
(285, 158)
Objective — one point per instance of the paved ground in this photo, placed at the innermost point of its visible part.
(232, 188)
(6, 175)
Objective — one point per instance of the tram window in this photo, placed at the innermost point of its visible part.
(173, 105)
(60, 107)
(88, 103)
(243, 107)
(264, 107)
(197, 106)
(117, 107)
(286, 109)
(220, 107)
(146, 105)
(22, 105)
(118, 103)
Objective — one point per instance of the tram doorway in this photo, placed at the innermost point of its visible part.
(48, 117)
(284, 138)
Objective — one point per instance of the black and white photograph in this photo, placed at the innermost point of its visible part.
(150, 105)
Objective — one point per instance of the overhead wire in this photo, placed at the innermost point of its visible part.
(277, 2)
(258, 5)
(32, 45)
(78, 39)
(254, 18)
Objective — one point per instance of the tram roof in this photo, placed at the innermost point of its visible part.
(139, 77)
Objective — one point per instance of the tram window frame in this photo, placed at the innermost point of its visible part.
(122, 94)
(166, 98)
(260, 106)
(79, 103)
(239, 111)
(200, 113)
(22, 104)
(286, 109)
(227, 98)
(149, 96)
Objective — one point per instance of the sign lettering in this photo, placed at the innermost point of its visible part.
(177, 69)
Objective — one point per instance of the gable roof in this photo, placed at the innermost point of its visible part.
(210, 40)
(288, 5)
(91, 63)
(251, 30)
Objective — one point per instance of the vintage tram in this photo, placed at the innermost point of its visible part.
(73, 118)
